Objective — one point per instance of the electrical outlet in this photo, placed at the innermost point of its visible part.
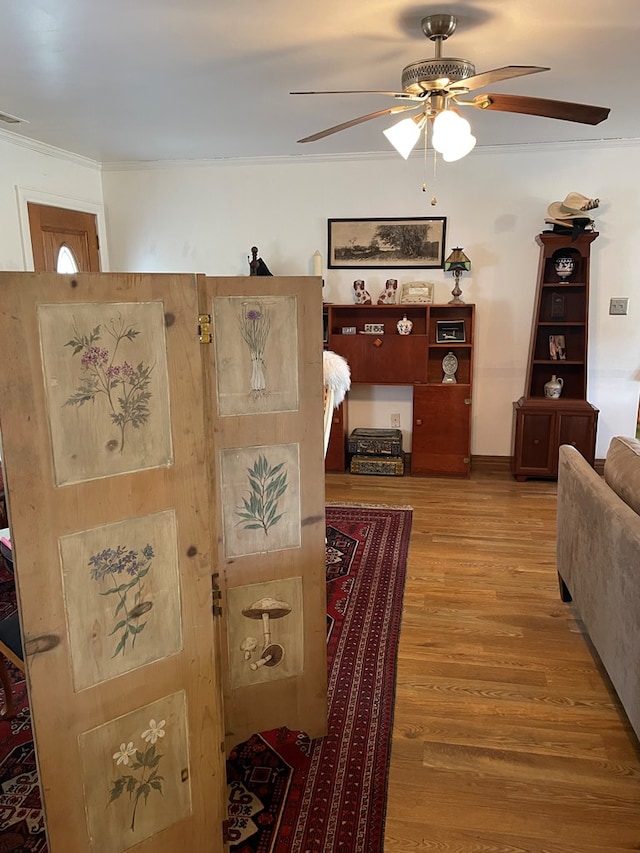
(395, 421)
(619, 305)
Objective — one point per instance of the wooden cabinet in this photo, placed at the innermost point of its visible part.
(442, 411)
(558, 348)
(541, 426)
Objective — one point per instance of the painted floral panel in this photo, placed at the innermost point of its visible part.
(265, 631)
(105, 374)
(260, 498)
(256, 341)
(122, 596)
(136, 774)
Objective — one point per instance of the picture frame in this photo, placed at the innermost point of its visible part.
(392, 243)
(450, 332)
(557, 306)
(417, 292)
(557, 347)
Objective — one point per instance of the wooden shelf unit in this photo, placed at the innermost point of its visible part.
(541, 425)
(441, 412)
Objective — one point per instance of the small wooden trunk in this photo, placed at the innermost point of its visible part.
(390, 466)
(376, 442)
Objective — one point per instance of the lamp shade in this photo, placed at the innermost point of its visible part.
(404, 135)
(460, 148)
(457, 260)
(452, 135)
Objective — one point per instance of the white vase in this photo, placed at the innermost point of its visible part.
(553, 388)
(404, 326)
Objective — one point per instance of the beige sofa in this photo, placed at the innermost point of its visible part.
(598, 559)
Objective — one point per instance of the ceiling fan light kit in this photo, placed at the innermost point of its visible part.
(438, 86)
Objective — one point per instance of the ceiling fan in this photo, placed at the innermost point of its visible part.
(437, 87)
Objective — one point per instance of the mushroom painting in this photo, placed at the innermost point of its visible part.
(264, 609)
(265, 631)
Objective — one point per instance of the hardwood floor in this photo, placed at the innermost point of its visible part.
(507, 735)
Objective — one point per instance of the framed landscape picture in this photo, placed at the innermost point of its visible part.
(387, 243)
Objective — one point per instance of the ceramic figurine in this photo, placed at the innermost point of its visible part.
(362, 295)
(388, 295)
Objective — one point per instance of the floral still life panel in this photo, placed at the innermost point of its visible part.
(256, 341)
(136, 774)
(105, 373)
(265, 631)
(122, 596)
(260, 498)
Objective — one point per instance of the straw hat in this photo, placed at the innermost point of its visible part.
(574, 206)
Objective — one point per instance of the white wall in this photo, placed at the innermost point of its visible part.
(32, 172)
(204, 217)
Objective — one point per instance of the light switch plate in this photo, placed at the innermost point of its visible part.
(619, 305)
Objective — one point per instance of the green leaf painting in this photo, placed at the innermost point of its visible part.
(267, 484)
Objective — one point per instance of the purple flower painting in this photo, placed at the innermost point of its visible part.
(124, 387)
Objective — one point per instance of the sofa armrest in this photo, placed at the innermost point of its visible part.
(598, 558)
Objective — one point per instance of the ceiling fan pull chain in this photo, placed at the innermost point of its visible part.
(434, 200)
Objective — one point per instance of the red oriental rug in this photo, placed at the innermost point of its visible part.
(21, 816)
(288, 794)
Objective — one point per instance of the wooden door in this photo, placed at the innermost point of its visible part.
(264, 404)
(55, 228)
(105, 467)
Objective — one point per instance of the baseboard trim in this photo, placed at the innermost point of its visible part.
(491, 464)
(502, 464)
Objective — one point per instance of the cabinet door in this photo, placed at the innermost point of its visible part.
(104, 459)
(264, 405)
(580, 432)
(383, 359)
(441, 429)
(536, 437)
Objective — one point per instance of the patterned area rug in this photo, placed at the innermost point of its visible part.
(288, 794)
(21, 816)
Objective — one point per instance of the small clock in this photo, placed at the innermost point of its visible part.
(449, 367)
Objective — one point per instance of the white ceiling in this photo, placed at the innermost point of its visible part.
(123, 80)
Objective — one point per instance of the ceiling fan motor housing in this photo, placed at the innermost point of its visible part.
(429, 75)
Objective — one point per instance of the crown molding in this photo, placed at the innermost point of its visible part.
(377, 156)
(304, 159)
(48, 150)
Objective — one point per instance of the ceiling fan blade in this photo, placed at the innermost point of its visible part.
(564, 110)
(405, 96)
(495, 76)
(352, 122)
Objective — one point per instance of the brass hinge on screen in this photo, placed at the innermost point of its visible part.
(216, 596)
(204, 328)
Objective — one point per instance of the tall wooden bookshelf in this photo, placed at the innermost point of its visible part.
(561, 312)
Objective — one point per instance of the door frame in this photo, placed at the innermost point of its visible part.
(28, 194)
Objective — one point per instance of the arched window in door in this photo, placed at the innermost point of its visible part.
(66, 262)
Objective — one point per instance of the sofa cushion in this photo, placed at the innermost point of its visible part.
(622, 470)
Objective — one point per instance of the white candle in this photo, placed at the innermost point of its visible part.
(317, 263)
